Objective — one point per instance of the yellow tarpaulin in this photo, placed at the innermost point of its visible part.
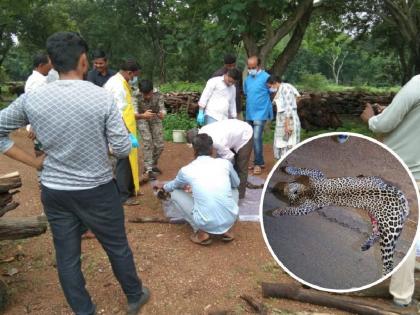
(130, 122)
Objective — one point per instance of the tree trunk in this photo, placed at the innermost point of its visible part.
(18, 228)
(10, 181)
(289, 53)
(345, 303)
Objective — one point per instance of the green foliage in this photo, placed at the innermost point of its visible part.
(178, 121)
(314, 82)
(182, 86)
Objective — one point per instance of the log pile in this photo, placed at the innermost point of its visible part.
(182, 102)
(316, 110)
(16, 228)
(316, 113)
(351, 103)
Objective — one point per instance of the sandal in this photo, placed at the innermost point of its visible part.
(257, 170)
(194, 238)
(227, 238)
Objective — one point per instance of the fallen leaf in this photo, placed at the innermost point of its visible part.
(7, 260)
(10, 272)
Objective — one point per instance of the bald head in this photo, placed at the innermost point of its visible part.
(253, 61)
(253, 65)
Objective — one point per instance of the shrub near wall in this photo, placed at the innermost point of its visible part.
(178, 121)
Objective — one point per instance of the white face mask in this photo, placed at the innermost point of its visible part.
(133, 81)
(273, 90)
(253, 72)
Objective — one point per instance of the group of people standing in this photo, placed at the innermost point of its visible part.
(222, 99)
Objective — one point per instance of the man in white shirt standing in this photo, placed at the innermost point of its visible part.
(218, 100)
(232, 140)
(126, 170)
(42, 65)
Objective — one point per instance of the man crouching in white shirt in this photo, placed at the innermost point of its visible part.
(232, 140)
(213, 206)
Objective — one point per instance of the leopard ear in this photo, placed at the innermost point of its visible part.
(304, 180)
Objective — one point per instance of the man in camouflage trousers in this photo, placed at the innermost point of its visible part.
(151, 111)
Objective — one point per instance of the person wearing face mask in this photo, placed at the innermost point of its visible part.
(77, 186)
(229, 62)
(151, 111)
(287, 133)
(218, 100)
(100, 73)
(126, 170)
(258, 107)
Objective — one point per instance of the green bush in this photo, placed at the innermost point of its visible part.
(178, 121)
(313, 82)
(180, 86)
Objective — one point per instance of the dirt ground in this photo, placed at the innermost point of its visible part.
(184, 278)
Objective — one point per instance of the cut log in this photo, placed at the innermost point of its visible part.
(9, 207)
(346, 303)
(18, 228)
(10, 181)
(382, 291)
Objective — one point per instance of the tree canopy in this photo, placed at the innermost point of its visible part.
(186, 40)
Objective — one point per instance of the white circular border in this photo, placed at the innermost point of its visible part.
(324, 135)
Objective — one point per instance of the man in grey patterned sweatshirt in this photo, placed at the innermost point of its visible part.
(77, 122)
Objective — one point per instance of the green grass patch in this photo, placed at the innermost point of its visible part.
(182, 86)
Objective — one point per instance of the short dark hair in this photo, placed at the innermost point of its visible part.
(146, 86)
(39, 59)
(234, 74)
(202, 144)
(65, 49)
(98, 53)
(191, 134)
(129, 64)
(229, 59)
(273, 79)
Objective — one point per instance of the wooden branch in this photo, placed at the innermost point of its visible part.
(293, 45)
(349, 304)
(258, 307)
(10, 181)
(382, 291)
(287, 26)
(9, 207)
(150, 220)
(17, 228)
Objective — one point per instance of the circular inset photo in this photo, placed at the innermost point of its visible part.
(340, 212)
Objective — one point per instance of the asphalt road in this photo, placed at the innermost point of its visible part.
(323, 248)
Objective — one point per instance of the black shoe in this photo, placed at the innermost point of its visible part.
(151, 175)
(156, 170)
(134, 308)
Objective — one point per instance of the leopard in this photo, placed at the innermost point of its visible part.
(385, 204)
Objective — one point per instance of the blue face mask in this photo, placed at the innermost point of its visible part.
(273, 90)
(252, 72)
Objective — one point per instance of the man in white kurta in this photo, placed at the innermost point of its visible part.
(218, 100)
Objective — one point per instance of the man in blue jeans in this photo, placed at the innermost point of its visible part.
(258, 107)
(77, 122)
